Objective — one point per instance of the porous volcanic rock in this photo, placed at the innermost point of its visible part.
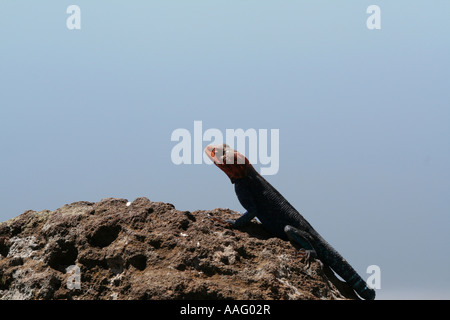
(114, 249)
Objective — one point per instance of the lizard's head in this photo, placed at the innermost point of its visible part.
(230, 161)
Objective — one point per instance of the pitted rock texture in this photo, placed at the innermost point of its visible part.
(114, 249)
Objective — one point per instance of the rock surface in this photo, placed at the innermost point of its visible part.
(114, 249)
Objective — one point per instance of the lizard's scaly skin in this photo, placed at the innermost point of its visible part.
(278, 216)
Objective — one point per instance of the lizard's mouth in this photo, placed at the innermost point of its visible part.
(217, 154)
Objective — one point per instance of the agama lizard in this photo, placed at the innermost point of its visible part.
(278, 216)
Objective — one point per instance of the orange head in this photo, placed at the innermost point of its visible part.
(230, 161)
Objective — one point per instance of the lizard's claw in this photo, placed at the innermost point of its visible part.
(228, 223)
(306, 256)
(231, 223)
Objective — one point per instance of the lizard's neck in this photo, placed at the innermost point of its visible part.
(247, 173)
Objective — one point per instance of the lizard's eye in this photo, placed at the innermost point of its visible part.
(220, 152)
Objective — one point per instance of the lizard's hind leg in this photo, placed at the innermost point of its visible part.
(299, 239)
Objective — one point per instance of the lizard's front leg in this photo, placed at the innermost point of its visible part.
(239, 222)
(242, 220)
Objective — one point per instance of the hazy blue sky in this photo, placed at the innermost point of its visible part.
(364, 115)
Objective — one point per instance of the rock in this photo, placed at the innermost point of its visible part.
(114, 249)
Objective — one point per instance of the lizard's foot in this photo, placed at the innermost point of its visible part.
(307, 256)
(228, 223)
